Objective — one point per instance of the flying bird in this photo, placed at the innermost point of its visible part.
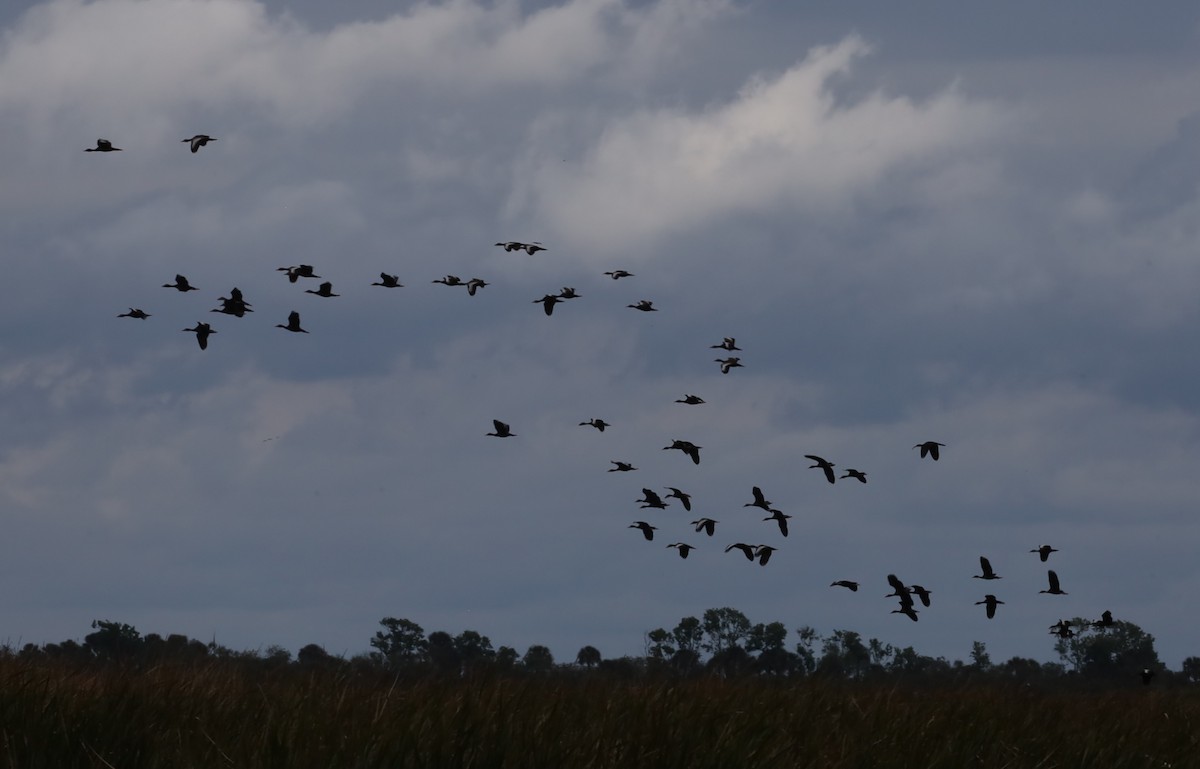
(568, 293)
(449, 280)
(235, 305)
(647, 529)
(986, 566)
(687, 447)
(547, 302)
(921, 593)
(198, 141)
(388, 281)
(293, 323)
(899, 590)
(684, 498)
(1043, 552)
(763, 553)
(325, 290)
(599, 424)
(644, 305)
(621, 467)
(618, 274)
(853, 586)
(825, 466)
(747, 550)
(728, 363)
(907, 610)
(729, 343)
(707, 525)
(1054, 588)
(297, 272)
(529, 248)
(502, 430)
(651, 499)
(474, 284)
(181, 284)
(134, 312)
(103, 145)
(781, 519)
(683, 549)
(857, 474)
(691, 400)
(990, 601)
(759, 500)
(929, 448)
(202, 330)
(1062, 629)
(1106, 620)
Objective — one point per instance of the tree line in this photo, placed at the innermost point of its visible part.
(722, 642)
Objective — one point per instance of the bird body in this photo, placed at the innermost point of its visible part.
(707, 525)
(1043, 552)
(825, 466)
(651, 499)
(647, 529)
(687, 447)
(853, 586)
(568, 293)
(134, 312)
(763, 553)
(388, 281)
(857, 474)
(502, 430)
(921, 593)
(1106, 620)
(621, 467)
(202, 330)
(449, 280)
(181, 285)
(529, 248)
(691, 400)
(986, 566)
(293, 323)
(599, 424)
(547, 302)
(930, 449)
(729, 343)
(781, 519)
(1054, 586)
(907, 610)
(618, 274)
(728, 363)
(759, 500)
(683, 548)
(684, 498)
(297, 272)
(103, 145)
(747, 550)
(645, 305)
(990, 602)
(198, 141)
(474, 284)
(325, 290)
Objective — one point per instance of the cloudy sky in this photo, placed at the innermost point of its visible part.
(920, 222)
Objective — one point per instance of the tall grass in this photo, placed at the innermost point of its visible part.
(213, 714)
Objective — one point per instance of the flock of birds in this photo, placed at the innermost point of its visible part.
(236, 305)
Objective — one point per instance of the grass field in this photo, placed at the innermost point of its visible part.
(215, 714)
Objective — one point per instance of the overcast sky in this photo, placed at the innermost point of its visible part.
(920, 221)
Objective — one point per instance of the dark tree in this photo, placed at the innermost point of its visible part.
(538, 659)
(313, 655)
(402, 644)
(1120, 651)
(474, 650)
(588, 657)
(113, 640)
(724, 629)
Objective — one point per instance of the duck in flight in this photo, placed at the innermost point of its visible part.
(547, 302)
(449, 280)
(599, 424)
(921, 593)
(502, 430)
(135, 312)
(747, 550)
(1043, 552)
(181, 284)
(235, 305)
(325, 290)
(728, 363)
(826, 466)
(728, 344)
(759, 501)
(683, 548)
(907, 610)
(1106, 620)
(474, 284)
(202, 330)
(388, 281)
(859, 475)
(198, 141)
(293, 323)
(986, 566)
(529, 248)
(930, 449)
(846, 583)
(687, 447)
(781, 519)
(691, 400)
(103, 145)
(621, 467)
(1054, 587)
(645, 305)
(707, 525)
(651, 499)
(618, 274)
(297, 272)
(684, 498)
(990, 602)
(568, 293)
(763, 553)
(647, 529)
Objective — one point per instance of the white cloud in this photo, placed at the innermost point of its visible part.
(783, 143)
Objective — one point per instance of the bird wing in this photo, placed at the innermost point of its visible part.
(985, 565)
(1053, 581)
(895, 582)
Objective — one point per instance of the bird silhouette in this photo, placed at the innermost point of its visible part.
(644, 305)
(198, 141)
(899, 590)
(202, 330)
(907, 610)
(728, 363)
(1062, 629)
(388, 281)
(449, 280)
(1054, 588)
(986, 566)
(921, 593)
(647, 529)
(651, 499)
(747, 550)
(181, 284)
(1043, 552)
(691, 400)
(293, 323)
(683, 548)
(502, 430)
(297, 272)
(599, 424)
(858, 474)
(474, 284)
(687, 447)
(547, 302)
(618, 274)
(729, 343)
(684, 498)
(103, 145)
(568, 293)
(763, 553)
(325, 290)
(621, 467)
(1106, 620)
(759, 500)
(781, 519)
(134, 312)
(990, 602)
(235, 305)
(826, 467)
(853, 586)
(929, 448)
(529, 248)
(707, 525)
